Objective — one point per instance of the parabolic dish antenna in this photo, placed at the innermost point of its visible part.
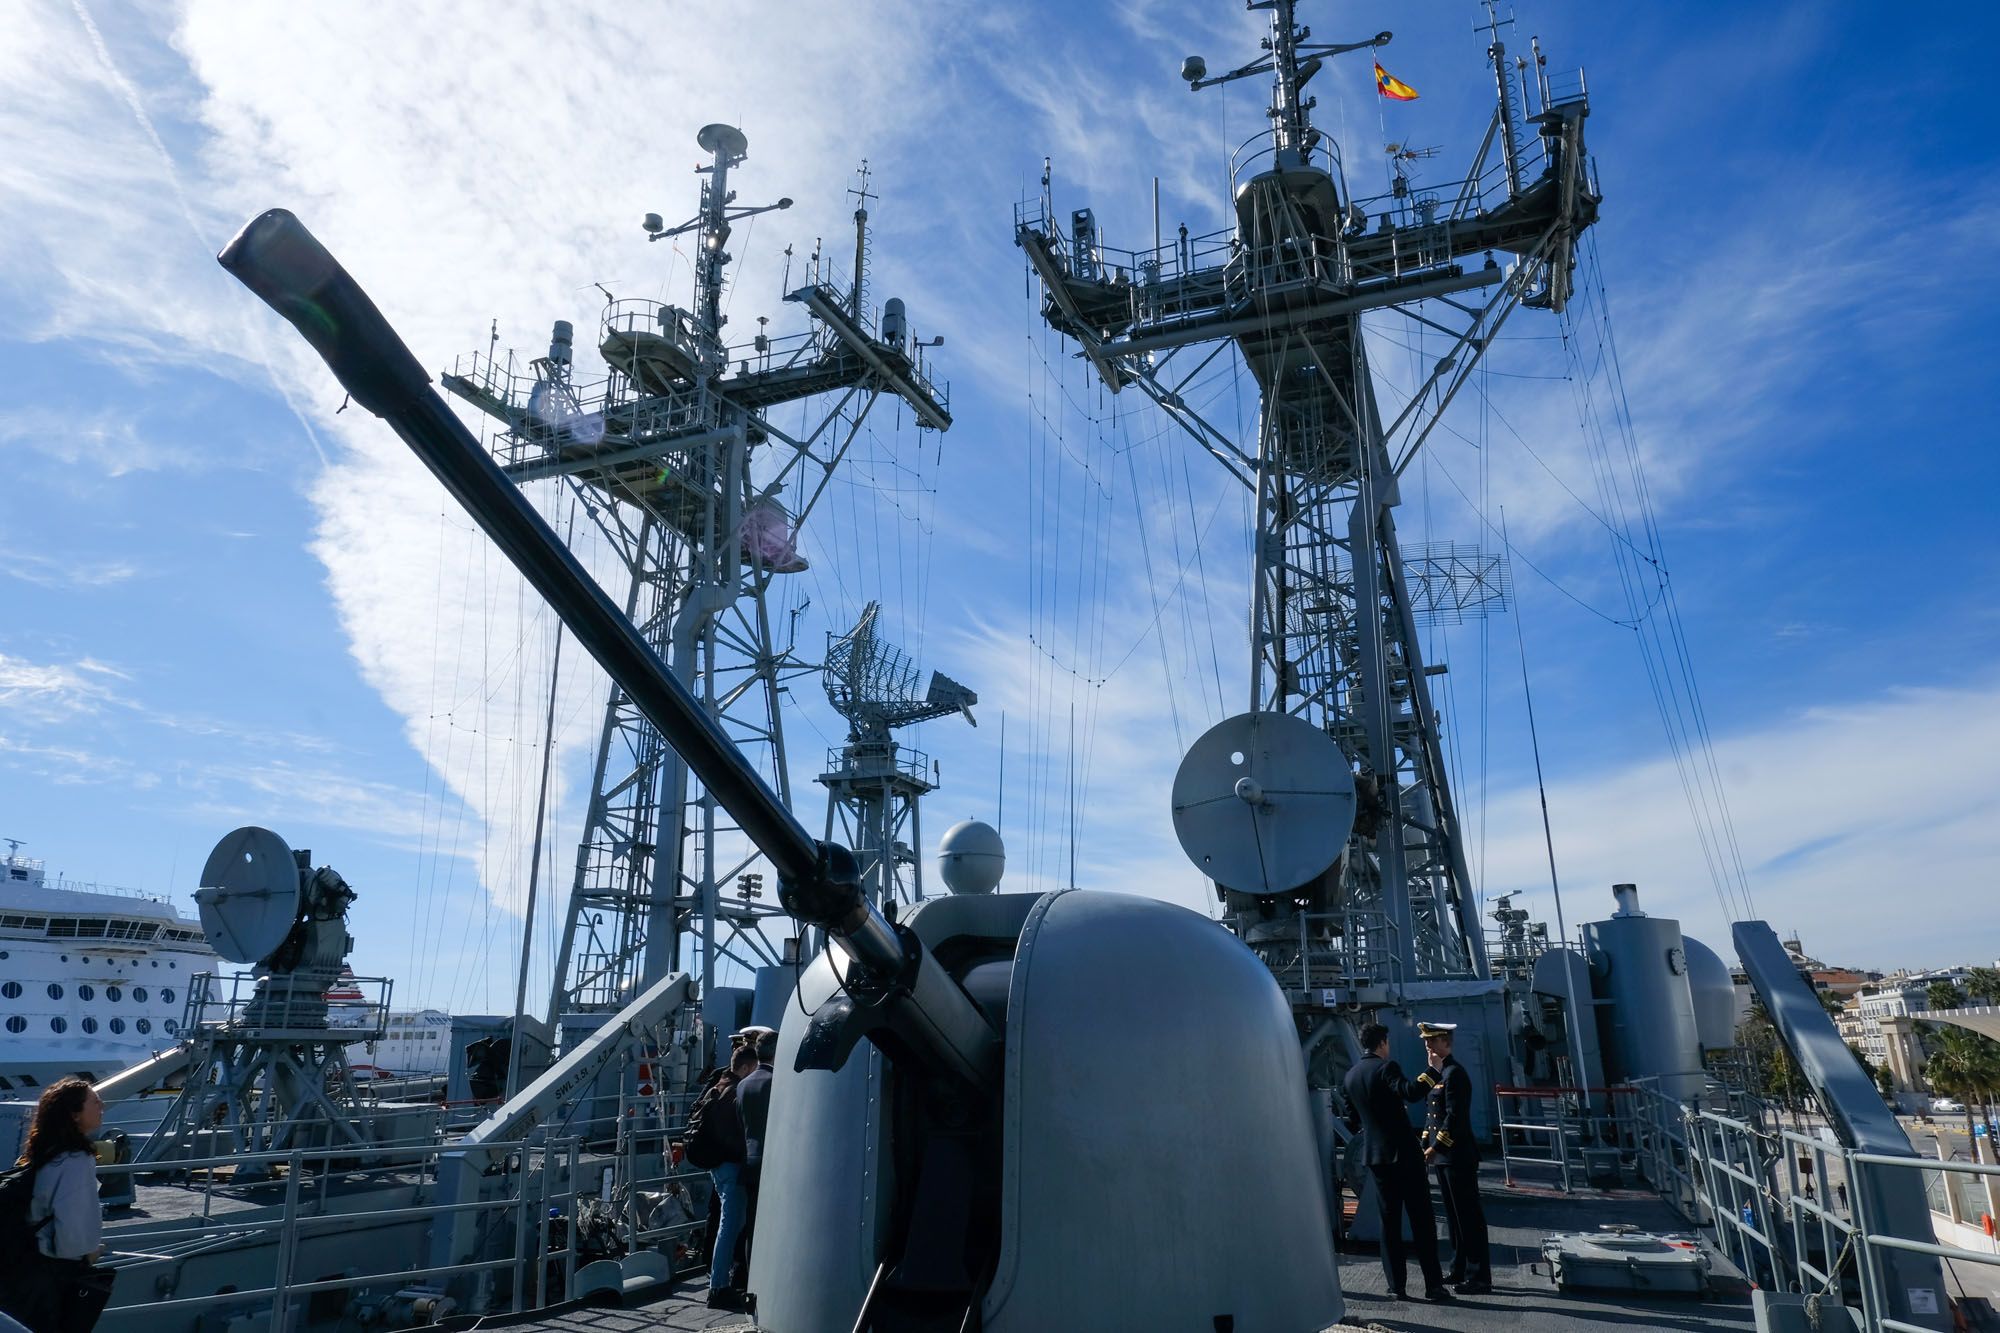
(1264, 802)
(724, 139)
(249, 895)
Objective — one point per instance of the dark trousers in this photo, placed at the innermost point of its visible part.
(753, 1176)
(1471, 1259)
(55, 1295)
(1400, 1190)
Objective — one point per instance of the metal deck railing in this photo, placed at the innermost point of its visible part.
(1795, 1212)
(614, 1171)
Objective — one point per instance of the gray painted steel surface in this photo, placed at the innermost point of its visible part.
(1714, 996)
(971, 857)
(1116, 1214)
(1480, 1010)
(1555, 973)
(1263, 802)
(1856, 1111)
(822, 1214)
(1117, 1009)
(1638, 965)
(250, 898)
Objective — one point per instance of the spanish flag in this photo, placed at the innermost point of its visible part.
(1389, 85)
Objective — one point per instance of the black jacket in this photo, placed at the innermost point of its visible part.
(1448, 1116)
(1378, 1094)
(753, 1099)
(721, 1118)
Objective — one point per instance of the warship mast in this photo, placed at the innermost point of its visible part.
(676, 459)
(1336, 605)
(875, 783)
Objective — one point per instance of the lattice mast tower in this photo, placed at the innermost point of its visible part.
(678, 462)
(1333, 622)
(875, 784)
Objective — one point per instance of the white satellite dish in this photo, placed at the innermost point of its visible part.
(249, 895)
(1263, 802)
(724, 139)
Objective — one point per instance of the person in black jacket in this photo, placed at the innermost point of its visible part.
(1379, 1096)
(753, 1103)
(1452, 1152)
(733, 1211)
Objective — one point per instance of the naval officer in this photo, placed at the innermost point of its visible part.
(1451, 1151)
(1379, 1095)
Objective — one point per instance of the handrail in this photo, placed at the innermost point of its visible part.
(1768, 1193)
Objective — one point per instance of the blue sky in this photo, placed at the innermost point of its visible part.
(222, 603)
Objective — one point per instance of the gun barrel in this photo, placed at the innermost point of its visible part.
(286, 266)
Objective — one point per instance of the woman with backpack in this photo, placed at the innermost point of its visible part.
(56, 1288)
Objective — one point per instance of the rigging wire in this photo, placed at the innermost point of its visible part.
(1549, 843)
(1662, 641)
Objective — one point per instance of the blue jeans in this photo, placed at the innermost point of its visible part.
(728, 1181)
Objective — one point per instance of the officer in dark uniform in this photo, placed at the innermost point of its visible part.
(1452, 1152)
(1379, 1097)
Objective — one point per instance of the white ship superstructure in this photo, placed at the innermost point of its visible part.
(412, 1043)
(93, 979)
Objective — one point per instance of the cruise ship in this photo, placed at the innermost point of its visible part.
(95, 977)
(414, 1043)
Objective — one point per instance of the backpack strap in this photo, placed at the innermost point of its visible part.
(28, 1174)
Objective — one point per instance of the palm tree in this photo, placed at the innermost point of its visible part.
(1964, 1065)
(1773, 1075)
(1982, 985)
(1944, 995)
(1949, 1072)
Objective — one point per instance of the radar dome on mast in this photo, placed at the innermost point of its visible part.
(971, 857)
(726, 140)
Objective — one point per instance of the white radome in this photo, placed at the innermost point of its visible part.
(971, 857)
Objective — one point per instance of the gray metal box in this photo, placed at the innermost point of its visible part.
(1620, 1258)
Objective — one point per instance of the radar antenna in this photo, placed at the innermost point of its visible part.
(874, 784)
(267, 1057)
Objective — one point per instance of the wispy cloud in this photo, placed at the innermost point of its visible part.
(93, 445)
(282, 793)
(52, 691)
(1872, 826)
(50, 571)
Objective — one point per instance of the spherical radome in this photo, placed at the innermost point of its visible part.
(971, 857)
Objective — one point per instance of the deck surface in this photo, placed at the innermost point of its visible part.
(684, 1311)
(1523, 1296)
(227, 1202)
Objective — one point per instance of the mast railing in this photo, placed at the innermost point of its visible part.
(843, 762)
(1327, 951)
(1259, 154)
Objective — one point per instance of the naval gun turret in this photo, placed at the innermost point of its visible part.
(1057, 1092)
